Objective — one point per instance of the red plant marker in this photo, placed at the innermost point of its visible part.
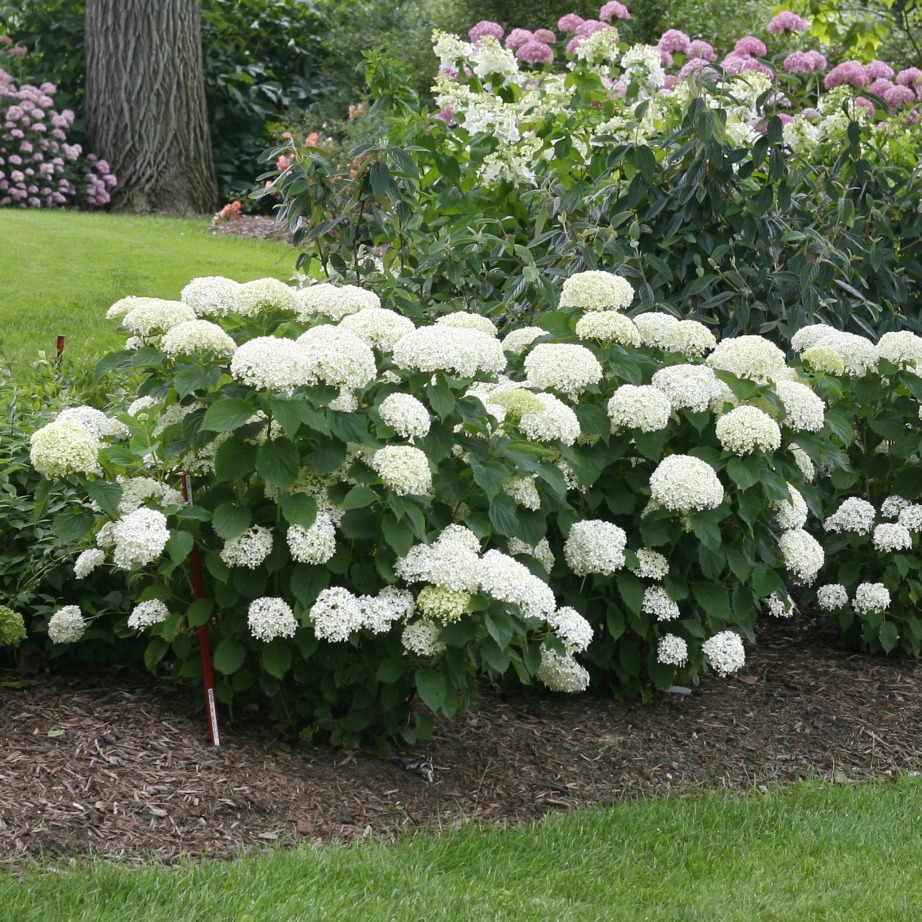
(204, 645)
(59, 345)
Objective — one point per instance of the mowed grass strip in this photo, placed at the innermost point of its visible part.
(61, 270)
(813, 852)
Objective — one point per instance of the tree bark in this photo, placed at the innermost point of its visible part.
(145, 104)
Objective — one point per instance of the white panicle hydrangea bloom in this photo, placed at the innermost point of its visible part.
(381, 612)
(316, 544)
(608, 326)
(422, 638)
(344, 402)
(336, 614)
(871, 597)
(272, 363)
(892, 536)
(141, 405)
(67, 625)
(139, 537)
(156, 316)
(451, 561)
(505, 579)
(489, 57)
(594, 546)
(249, 549)
(263, 295)
(803, 555)
(650, 565)
(560, 672)
(96, 423)
(61, 448)
(690, 387)
(656, 602)
(467, 321)
(751, 357)
(597, 291)
(855, 514)
(148, 613)
(748, 429)
(87, 562)
(333, 301)
(436, 603)
(519, 340)
(554, 422)
(901, 348)
(462, 351)
(823, 360)
(809, 336)
(271, 617)
(725, 652)
(572, 628)
(643, 64)
(137, 490)
(792, 514)
(380, 328)
(195, 337)
(804, 411)
(124, 305)
(859, 355)
(599, 48)
(832, 597)
(642, 407)
(654, 328)
(671, 651)
(778, 607)
(404, 469)
(406, 415)
(688, 337)
(563, 367)
(803, 462)
(911, 517)
(338, 358)
(541, 551)
(683, 483)
(211, 296)
(892, 506)
(524, 491)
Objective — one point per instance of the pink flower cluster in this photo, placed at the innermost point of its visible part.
(38, 168)
(786, 21)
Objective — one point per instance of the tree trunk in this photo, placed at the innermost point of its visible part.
(145, 104)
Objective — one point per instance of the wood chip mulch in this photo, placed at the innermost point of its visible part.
(120, 766)
(252, 227)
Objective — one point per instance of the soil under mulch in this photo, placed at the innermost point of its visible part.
(120, 766)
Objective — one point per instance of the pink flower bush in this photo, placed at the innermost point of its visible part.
(786, 21)
(898, 96)
(698, 48)
(674, 41)
(750, 45)
(614, 10)
(804, 62)
(535, 53)
(485, 27)
(877, 70)
(545, 35)
(851, 73)
(517, 38)
(570, 23)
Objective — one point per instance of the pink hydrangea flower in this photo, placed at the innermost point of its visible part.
(698, 48)
(786, 21)
(570, 23)
(546, 36)
(879, 69)
(797, 63)
(614, 10)
(485, 27)
(819, 60)
(749, 44)
(574, 43)
(674, 41)
(589, 26)
(880, 86)
(535, 53)
(851, 73)
(898, 96)
(17, 51)
(784, 118)
(865, 104)
(517, 38)
(699, 67)
(446, 115)
(669, 82)
(909, 77)
(739, 63)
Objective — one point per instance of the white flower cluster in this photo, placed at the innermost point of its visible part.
(911, 517)
(337, 613)
(642, 407)
(249, 549)
(61, 448)
(688, 337)
(683, 483)
(725, 652)
(270, 617)
(541, 551)
(553, 422)
(451, 561)
(650, 565)
(857, 354)
(607, 326)
(272, 363)
(691, 387)
(519, 340)
(803, 555)
(403, 469)
(464, 320)
(505, 579)
(137, 490)
(334, 301)
(148, 613)
(656, 602)
(891, 536)
(752, 357)
(892, 506)
(406, 415)
(460, 350)
(778, 607)
(594, 546)
(672, 650)
(197, 337)
(124, 305)
(561, 672)
(746, 429)
(596, 291)
(870, 598)
(139, 406)
(380, 328)
(155, 316)
(136, 538)
(791, 514)
(832, 597)
(67, 625)
(572, 628)
(803, 462)
(436, 603)
(854, 514)
(87, 562)
(264, 295)
(94, 421)
(804, 411)
(643, 64)
(211, 296)
(562, 367)
(337, 357)
(524, 491)
(422, 638)
(901, 348)
(316, 544)
(654, 327)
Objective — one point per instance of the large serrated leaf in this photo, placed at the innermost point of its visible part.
(432, 688)
(278, 461)
(299, 509)
(230, 521)
(234, 461)
(277, 658)
(229, 656)
(227, 414)
(106, 495)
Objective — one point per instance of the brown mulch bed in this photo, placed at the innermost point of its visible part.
(120, 766)
(254, 227)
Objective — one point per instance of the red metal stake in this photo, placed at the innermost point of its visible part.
(204, 646)
(59, 345)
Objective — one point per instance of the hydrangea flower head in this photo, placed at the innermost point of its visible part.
(338, 357)
(60, 448)
(871, 597)
(379, 327)
(597, 291)
(562, 367)
(67, 625)
(146, 614)
(594, 546)
(316, 544)
(853, 515)
(464, 352)
(804, 410)
(725, 652)
(786, 21)
(803, 555)
(406, 415)
(672, 650)
(683, 483)
(273, 363)
(210, 296)
(197, 337)
(403, 469)
(832, 597)
(641, 407)
(264, 295)
(561, 672)
(271, 617)
(752, 357)
(606, 326)
(333, 301)
(746, 429)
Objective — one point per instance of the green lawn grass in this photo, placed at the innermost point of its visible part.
(60, 271)
(807, 853)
